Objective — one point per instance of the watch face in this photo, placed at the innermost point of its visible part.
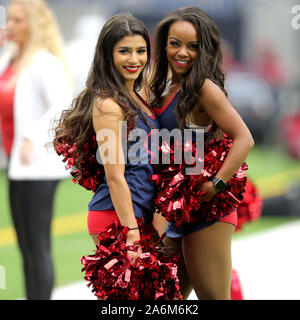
(221, 185)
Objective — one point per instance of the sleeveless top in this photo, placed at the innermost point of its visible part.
(167, 118)
(138, 170)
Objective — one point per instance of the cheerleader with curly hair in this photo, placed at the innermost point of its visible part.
(106, 116)
(188, 85)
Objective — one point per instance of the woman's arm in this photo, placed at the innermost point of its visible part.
(107, 115)
(219, 109)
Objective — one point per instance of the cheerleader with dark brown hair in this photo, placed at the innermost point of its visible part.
(188, 85)
(112, 117)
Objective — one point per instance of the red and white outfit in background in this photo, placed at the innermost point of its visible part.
(40, 93)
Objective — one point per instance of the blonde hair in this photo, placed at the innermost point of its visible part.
(44, 32)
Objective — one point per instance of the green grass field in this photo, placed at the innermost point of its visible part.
(268, 167)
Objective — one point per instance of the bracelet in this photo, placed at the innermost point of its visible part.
(133, 228)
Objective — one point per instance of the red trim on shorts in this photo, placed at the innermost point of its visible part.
(231, 218)
(97, 221)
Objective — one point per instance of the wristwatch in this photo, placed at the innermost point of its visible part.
(219, 184)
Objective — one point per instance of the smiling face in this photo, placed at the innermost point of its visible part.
(18, 29)
(182, 47)
(130, 57)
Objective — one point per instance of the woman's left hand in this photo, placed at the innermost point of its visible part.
(26, 153)
(209, 189)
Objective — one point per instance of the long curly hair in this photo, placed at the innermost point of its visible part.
(75, 126)
(206, 66)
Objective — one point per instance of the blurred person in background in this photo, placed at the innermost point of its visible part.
(34, 88)
(268, 65)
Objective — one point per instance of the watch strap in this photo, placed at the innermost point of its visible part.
(219, 183)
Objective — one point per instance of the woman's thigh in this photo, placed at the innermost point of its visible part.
(207, 255)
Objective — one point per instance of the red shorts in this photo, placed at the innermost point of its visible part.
(231, 218)
(97, 221)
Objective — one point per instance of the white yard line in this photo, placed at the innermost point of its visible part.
(268, 264)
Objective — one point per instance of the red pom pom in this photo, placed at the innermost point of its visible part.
(250, 208)
(113, 276)
(177, 193)
(108, 270)
(92, 173)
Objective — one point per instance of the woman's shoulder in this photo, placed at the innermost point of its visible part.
(209, 85)
(107, 106)
(46, 59)
(209, 93)
(210, 90)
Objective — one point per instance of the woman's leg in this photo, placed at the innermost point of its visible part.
(32, 208)
(207, 255)
(95, 238)
(173, 246)
(159, 223)
(96, 241)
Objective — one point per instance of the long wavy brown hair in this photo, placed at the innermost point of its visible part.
(75, 126)
(206, 66)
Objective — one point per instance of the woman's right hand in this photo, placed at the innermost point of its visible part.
(26, 153)
(132, 237)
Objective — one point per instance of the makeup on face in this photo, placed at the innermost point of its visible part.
(182, 46)
(130, 56)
